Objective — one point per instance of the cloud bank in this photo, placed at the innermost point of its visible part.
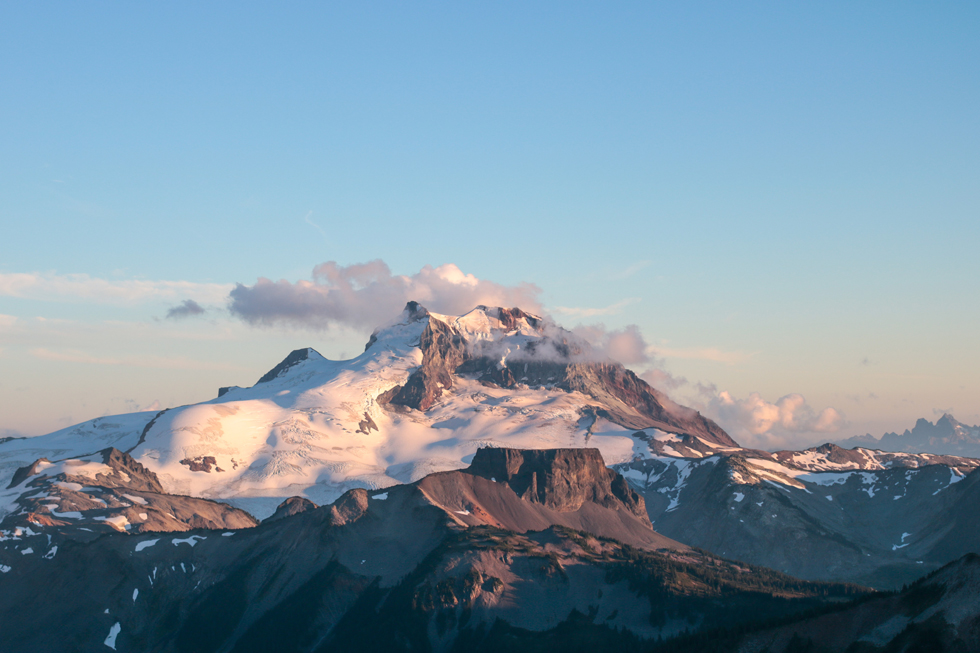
(755, 422)
(366, 295)
(625, 345)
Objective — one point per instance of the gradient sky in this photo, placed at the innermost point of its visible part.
(783, 197)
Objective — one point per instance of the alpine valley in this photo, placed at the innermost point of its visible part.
(480, 482)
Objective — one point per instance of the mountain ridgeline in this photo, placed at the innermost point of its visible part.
(480, 482)
(456, 561)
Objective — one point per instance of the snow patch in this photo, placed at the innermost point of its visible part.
(110, 641)
(192, 540)
(380, 497)
(738, 497)
(145, 544)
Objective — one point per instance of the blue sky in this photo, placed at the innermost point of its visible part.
(784, 198)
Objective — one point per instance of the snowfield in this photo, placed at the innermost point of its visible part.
(317, 429)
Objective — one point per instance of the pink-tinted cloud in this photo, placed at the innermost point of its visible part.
(367, 295)
(756, 422)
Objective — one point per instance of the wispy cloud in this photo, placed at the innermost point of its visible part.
(308, 219)
(612, 309)
(156, 362)
(703, 353)
(50, 286)
(366, 295)
(630, 271)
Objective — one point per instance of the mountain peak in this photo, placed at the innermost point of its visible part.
(294, 358)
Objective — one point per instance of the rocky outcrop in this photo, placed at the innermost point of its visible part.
(291, 506)
(443, 351)
(202, 464)
(560, 479)
(128, 473)
(350, 507)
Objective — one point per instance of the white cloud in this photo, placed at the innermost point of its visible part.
(366, 295)
(49, 286)
(625, 345)
(756, 422)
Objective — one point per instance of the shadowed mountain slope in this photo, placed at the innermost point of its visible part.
(441, 564)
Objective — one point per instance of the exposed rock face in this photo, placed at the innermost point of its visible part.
(631, 402)
(443, 350)
(201, 464)
(291, 506)
(560, 479)
(348, 508)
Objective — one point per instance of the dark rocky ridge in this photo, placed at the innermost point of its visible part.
(413, 567)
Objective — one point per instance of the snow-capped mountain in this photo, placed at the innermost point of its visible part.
(428, 391)
(946, 436)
